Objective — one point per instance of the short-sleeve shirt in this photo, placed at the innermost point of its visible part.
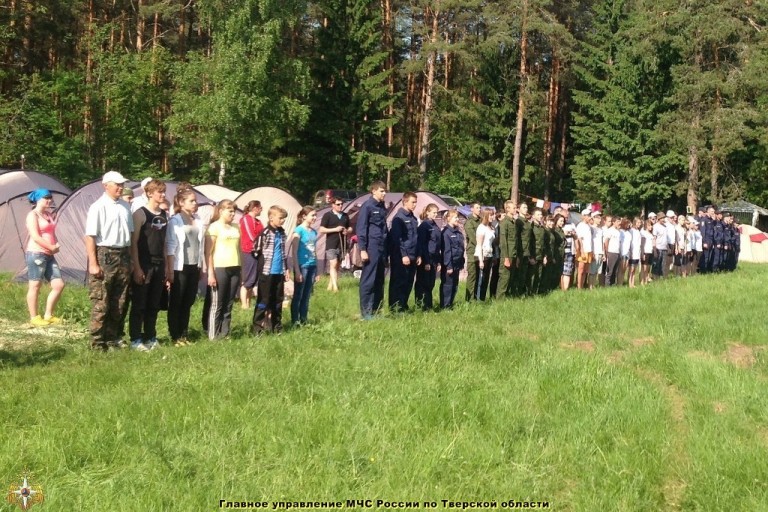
(109, 221)
(584, 233)
(306, 250)
(330, 220)
(226, 251)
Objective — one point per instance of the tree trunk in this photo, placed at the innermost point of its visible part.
(87, 120)
(140, 26)
(693, 170)
(389, 47)
(553, 101)
(428, 92)
(714, 168)
(182, 30)
(519, 135)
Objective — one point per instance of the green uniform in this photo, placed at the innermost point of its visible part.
(523, 253)
(470, 230)
(507, 249)
(537, 253)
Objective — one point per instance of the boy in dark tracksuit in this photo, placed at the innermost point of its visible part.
(371, 231)
(402, 254)
(428, 245)
(453, 260)
(272, 268)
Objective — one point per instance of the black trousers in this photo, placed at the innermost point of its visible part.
(425, 283)
(222, 297)
(268, 315)
(145, 303)
(182, 297)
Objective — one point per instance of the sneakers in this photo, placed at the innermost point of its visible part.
(153, 344)
(181, 342)
(54, 320)
(39, 322)
(138, 346)
(116, 345)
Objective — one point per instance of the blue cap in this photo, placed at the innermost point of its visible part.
(38, 194)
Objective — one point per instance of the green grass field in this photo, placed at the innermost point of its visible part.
(645, 399)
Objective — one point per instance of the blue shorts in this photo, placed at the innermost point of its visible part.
(41, 265)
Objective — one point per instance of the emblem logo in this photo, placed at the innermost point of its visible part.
(24, 494)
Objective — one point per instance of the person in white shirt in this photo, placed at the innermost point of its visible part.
(626, 245)
(612, 245)
(660, 246)
(681, 255)
(485, 236)
(142, 200)
(697, 246)
(647, 255)
(671, 224)
(108, 229)
(636, 250)
(596, 268)
(584, 255)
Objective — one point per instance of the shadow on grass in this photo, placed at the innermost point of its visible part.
(26, 357)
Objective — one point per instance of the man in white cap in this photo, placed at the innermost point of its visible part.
(142, 200)
(596, 275)
(671, 241)
(108, 228)
(584, 254)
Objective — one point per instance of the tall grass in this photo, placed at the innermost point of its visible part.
(615, 399)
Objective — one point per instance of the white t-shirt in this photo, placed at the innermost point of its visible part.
(488, 234)
(647, 241)
(597, 240)
(613, 237)
(698, 240)
(637, 241)
(671, 233)
(584, 233)
(109, 222)
(626, 242)
(660, 236)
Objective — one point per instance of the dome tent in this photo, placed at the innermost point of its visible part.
(15, 185)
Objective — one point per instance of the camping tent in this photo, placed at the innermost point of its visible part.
(754, 245)
(217, 192)
(70, 229)
(14, 206)
(269, 196)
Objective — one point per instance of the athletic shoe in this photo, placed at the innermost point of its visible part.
(138, 346)
(116, 345)
(54, 320)
(39, 322)
(153, 344)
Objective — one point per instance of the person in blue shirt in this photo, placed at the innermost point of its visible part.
(428, 253)
(403, 260)
(453, 259)
(304, 265)
(273, 272)
(371, 231)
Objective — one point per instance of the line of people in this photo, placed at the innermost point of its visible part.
(156, 257)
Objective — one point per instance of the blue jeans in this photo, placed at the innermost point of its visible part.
(301, 293)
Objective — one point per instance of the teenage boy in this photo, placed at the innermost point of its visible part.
(402, 254)
(371, 230)
(335, 226)
(273, 272)
(108, 228)
(148, 262)
(523, 242)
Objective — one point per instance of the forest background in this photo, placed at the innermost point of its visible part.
(636, 103)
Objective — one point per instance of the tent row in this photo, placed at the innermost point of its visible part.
(72, 208)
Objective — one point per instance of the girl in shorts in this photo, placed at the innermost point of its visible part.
(41, 263)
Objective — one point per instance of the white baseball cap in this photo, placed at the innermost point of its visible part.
(670, 213)
(651, 215)
(113, 177)
(145, 181)
(586, 211)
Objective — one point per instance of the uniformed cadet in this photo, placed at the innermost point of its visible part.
(523, 228)
(555, 267)
(537, 253)
(507, 250)
(707, 241)
(108, 229)
(453, 259)
(718, 240)
(736, 243)
(473, 265)
(731, 236)
(428, 251)
(403, 260)
(371, 231)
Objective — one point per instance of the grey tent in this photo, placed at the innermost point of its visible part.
(217, 192)
(70, 229)
(14, 206)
